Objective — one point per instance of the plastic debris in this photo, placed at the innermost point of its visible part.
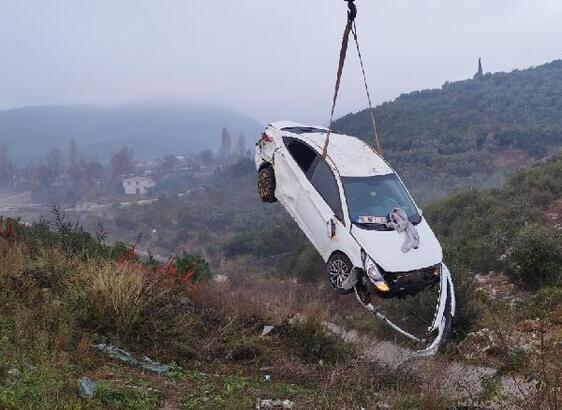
(145, 363)
(87, 388)
(274, 404)
(267, 378)
(14, 373)
(149, 364)
(266, 330)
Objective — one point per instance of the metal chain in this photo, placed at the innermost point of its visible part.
(371, 110)
(343, 54)
(351, 27)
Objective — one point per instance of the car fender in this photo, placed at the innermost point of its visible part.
(343, 242)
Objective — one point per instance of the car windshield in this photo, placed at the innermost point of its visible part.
(376, 196)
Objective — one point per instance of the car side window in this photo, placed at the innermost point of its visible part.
(324, 181)
(301, 153)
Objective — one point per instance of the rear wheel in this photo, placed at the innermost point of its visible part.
(266, 184)
(339, 268)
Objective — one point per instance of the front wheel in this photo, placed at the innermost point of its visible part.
(339, 268)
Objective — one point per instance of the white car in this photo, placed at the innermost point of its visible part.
(342, 204)
(346, 204)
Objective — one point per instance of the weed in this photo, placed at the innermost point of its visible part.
(311, 342)
(110, 395)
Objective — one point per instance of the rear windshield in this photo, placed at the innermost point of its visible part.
(303, 130)
(377, 196)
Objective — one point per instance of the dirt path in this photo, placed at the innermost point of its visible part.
(458, 381)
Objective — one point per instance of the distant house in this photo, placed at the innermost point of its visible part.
(137, 185)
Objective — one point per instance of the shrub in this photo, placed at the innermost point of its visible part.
(194, 265)
(536, 256)
(312, 342)
(308, 264)
(128, 301)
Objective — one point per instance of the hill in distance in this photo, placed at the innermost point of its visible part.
(152, 130)
(472, 132)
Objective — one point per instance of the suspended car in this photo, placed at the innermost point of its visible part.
(349, 203)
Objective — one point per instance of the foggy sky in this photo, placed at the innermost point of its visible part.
(271, 59)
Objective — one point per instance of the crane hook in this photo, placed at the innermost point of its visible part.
(352, 12)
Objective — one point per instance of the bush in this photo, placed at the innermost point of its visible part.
(308, 264)
(195, 265)
(128, 301)
(536, 256)
(312, 342)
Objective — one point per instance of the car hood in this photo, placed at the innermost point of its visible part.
(385, 248)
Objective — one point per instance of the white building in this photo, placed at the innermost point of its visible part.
(137, 185)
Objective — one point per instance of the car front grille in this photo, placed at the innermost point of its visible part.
(410, 283)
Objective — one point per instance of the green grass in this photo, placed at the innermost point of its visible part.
(238, 392)
(111, 395)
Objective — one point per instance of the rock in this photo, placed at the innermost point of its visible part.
(274, 404)
(86, 388)
(14, 373)
(266, 330)
(479, 344)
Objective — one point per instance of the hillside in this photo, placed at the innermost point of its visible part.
(515, 229)
(152, 130)
(68, 301)
(471, 132)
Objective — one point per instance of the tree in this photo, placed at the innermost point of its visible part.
(7, 166)
(241, 146)
(55, 163)
(480, 72)
(169, 162)
(226, 144)
(206, 157)
(122, 162)
(72, 153)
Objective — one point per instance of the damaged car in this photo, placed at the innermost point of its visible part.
(355, 210)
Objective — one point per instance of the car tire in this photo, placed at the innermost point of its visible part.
(266, 184)
(339, 267)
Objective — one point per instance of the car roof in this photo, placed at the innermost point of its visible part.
(350, 156)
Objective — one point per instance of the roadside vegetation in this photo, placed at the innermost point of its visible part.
(63, 292)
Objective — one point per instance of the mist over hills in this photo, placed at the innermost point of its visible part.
(151, 130)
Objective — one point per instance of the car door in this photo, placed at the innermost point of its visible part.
(291, 165)
(320, 207)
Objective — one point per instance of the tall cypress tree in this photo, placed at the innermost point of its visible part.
(480, 72)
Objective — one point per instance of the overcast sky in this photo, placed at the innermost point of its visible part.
(271, 59)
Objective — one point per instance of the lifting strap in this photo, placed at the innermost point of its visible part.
(350, 27)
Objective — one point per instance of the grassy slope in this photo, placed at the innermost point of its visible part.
(61, 292)
(465, 133)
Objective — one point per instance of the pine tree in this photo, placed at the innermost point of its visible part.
(480, 72)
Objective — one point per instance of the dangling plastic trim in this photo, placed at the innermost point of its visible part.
(442, 319)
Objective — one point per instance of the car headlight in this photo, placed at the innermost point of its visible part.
(437, 270)
(374, 274)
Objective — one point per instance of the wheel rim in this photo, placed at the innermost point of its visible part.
(263, 184)
(339, 271)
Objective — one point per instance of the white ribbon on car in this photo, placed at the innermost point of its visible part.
(400, 223)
